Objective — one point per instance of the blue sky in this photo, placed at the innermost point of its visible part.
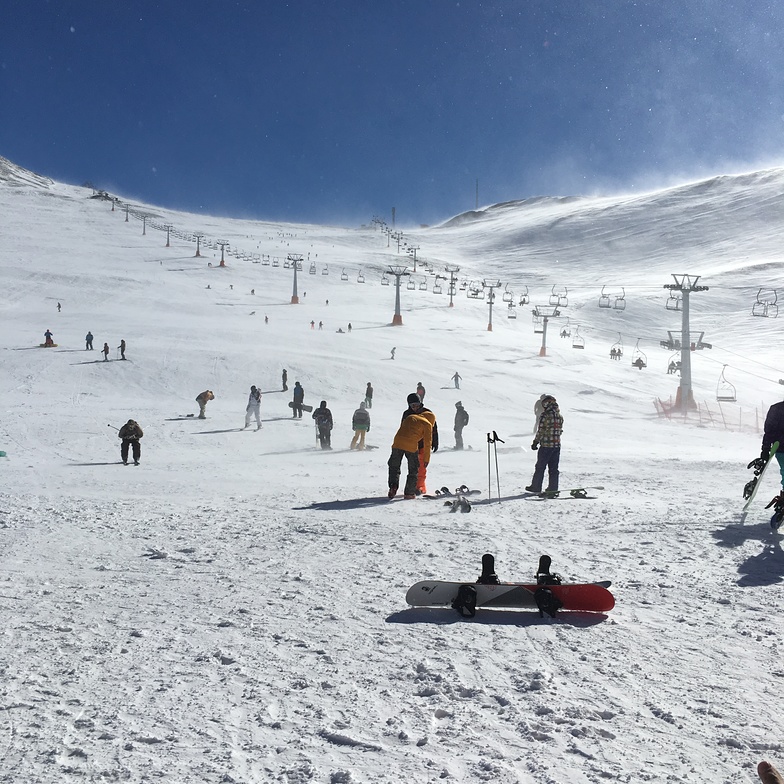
(340, 110)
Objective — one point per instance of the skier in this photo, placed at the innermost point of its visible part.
(48, 338)
(360, 422)
(298, 400)
(415, 407)
(461, 420)
(122, 349)
(421, 391)
(369, 395)
(548, 441)
(456, 378)
(130, 433)
(349, 326)
(105, 351)
(285, 380)
(323, 418)
(58, 307)
(412, 440)
(254, 406)
(312, 324)
(393, 352)
(202, 399)
(321, 325)
(88, 340)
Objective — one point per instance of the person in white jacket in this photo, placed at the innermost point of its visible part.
(254, 407)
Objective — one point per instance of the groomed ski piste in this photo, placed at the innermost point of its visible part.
(233, 609)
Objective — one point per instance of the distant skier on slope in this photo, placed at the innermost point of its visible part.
(461, 420)
(369, 395)
(130, 433)
(254, 407)
(88, 341)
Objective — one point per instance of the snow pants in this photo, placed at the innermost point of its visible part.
(358, 442)
(135, 446)
(547, 458)
(325, 437)
(394, 462)
(780, 458)
(458, 438)
(251, 411)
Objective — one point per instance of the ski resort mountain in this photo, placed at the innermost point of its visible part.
(233, 608)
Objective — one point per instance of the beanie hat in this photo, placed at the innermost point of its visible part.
(413, 398)
(363, 404)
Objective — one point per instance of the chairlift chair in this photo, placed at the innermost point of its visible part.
(265, 260)
(344, 275)
(554, 298)
(604, 299)
(538, 324)
(411, 284)
(620, 302)
(437, 287)
(360, 277)
(578, 341)
(563, 301)
(384, 280)
(524, 298)
(325, 271)
(312, 270)
(725, 392)
(463, 285)
(639, 360)
(616, 350)
(673, 302)
(275, 262)
(674, 364)
(507, 295)
(511, 311)
(423, 284)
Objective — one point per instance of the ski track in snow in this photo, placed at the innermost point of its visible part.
(229, 612)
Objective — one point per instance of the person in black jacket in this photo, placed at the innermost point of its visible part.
(415, 407)
(323, 417)
(461, 420)
(774, 431)
(130, 433)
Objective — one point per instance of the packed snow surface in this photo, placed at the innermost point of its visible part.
(233, 609)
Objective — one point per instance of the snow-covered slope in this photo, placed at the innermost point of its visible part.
(232, 610)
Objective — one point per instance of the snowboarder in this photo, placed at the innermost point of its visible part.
(88, 341)
(421, 391)
(461, 420)
(297, 401)
(130, 433)
(105, 351)
(416, 429)
(58, 307)
(369, 395)
(254, 407)
(202, 399)
(360, 422)
(349, 326)
(415, 407)
(285, 380)
(456, 378)
(48, 338)
(121, 347)
(548, 442)
(323, 418)
(774, 431)
(393, 352)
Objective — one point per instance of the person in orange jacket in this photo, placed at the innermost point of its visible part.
(413, 429)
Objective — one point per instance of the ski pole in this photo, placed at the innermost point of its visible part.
(495, 449)
(489, 485)
(114, 428)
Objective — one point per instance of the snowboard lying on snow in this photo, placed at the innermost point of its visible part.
(547, 594)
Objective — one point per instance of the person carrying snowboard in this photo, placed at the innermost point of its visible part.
(323, 418)
(369, 395)
(415, 407)
(130, 433)
(548, 442)
(415, 429)
(297, 400)
(461, 420)
(202, 399)
(254, 407)
(360, 422)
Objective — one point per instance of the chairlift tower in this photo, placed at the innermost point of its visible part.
(296, 261)
(223, 244)
(412, 251)
(685, 285)
(397, 235)
(492, 284)
(452, 270)
(545, 313)
(398, 270)
(168, 227)
(198, 235)
(144, 224)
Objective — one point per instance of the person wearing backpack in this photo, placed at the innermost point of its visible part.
(461, 420)
(323, 418)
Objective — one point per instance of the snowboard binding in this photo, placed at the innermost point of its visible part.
(488, 576)
(777, 518)
(543, 574)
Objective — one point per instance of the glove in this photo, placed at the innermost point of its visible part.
(427, 464)
(434, 449)
(535, 445)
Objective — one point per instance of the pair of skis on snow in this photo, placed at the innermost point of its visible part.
(548, 594)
